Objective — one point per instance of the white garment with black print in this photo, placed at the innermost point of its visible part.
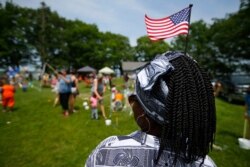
(137, 149)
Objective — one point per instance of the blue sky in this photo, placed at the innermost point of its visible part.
(126, 17)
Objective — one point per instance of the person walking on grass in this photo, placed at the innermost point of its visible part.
(8, 92)
(74, 91)
(174, 107)
(99, 89)
(64, 90)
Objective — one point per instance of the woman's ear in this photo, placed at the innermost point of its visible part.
(144, 122)
(136, 106)
(131, 99)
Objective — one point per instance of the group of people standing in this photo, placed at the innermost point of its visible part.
(118, 98)
(67, 90)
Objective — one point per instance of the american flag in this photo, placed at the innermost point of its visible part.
(170, 26)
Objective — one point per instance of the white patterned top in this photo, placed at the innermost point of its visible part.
(136, 149)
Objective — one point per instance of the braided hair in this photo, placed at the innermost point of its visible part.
(189, 129)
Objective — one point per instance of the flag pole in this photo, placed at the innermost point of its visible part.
(54, 70)
(41, 75)
(187, 36)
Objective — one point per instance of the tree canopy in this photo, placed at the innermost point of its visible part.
(28, 32)
(25, 33)
(222, 46)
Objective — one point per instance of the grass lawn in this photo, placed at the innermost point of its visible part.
(36, 134)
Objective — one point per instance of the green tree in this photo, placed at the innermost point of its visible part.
(198, 41)
(82, 41)
(13, 44)
(116, 48)
(49, 35)
(231, 36)
(202, 48)
(146, 50)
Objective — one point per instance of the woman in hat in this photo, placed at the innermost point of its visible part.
(174, 107)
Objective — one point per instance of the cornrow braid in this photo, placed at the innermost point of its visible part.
(189, 133)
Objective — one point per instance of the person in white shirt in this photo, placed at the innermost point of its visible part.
(174, 107)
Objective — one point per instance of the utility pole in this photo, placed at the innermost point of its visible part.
(42, 36)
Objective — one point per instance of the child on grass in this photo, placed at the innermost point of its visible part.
(118, 101)
(8, 92)
(93, 104)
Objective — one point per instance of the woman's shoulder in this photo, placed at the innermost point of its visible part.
(116, 141)
(208, 162)
(117, 151)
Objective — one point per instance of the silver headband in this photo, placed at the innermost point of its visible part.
(150, 88)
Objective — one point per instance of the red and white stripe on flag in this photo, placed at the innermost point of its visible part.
(170, 26)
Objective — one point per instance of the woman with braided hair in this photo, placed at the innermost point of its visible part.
(174, 107)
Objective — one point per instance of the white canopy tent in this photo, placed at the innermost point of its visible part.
(106, 70)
